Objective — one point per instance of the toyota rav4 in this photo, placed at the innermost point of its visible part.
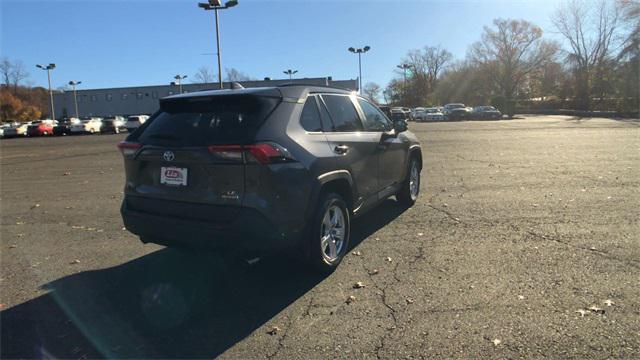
(260, 169)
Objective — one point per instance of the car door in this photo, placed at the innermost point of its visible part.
(392, 150)
(355, 150)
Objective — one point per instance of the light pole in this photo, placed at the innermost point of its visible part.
(179, 79)
(75, 97)
(359, 52)
(216, 5)
(49, 68)
(404, 68)
(290, 73)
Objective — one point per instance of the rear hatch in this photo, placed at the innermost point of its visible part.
(184, 162)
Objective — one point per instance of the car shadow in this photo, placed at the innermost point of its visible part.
(168, 304)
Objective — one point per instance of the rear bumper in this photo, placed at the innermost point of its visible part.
(250, 231)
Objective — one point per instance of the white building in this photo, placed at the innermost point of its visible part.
(144, 99)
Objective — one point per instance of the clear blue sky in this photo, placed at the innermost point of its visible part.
(144, 42)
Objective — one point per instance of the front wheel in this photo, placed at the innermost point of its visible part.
(408, 194)
(328, 234)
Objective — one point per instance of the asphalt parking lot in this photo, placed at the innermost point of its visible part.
(520, 224)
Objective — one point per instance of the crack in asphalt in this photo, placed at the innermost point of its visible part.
(601, 253)
(449, 215)
(382, 292)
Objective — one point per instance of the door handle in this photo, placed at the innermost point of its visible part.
(341, 149)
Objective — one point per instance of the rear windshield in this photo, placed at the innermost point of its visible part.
(207, 120)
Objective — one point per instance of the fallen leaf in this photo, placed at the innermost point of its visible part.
(582, 312)
(13, 246)
(76, 261)
(357, 253)
(593, 248)
(456, 219)
(35, 206)
(19, 235)
(66, 174)
(99, 230)
(91, 229)
(608, 302)
(68, 207)
(124, 229)
(497, 342)
(521, 297)
(420, 234)
(596, 309)
(19, 222)
(410, 300)
(388, 259)
(445, 205)
(274, 330)
(359, 285)
(351, 299)
(374, 272)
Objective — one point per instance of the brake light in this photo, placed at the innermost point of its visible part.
(262, 153)
(128, 148)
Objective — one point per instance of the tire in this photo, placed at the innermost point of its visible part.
(320, 255)
(45, 133)
(91, 131)
(408, 194)
(117, 131)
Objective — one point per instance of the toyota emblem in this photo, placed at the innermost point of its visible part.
(168, 155)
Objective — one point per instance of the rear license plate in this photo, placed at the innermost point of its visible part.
(173, 176)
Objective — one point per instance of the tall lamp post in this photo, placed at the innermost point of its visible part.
(290, 73)
(360, 52)
(216, 5)
(404, 68)
(75, 96)
(179, 80)
(49, 68)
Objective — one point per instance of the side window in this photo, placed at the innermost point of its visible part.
(310, 118)
(343, 114)
(374, 120)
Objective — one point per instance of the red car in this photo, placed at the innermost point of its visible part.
(40, 128)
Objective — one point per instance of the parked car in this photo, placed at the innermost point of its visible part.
(90, 125)
(398, 114)
(133, 122)
(2, 128)
(40, 128)
(62, 128)
(16, 130)
(434, 114)
(456, 112)
(486, 112)
(417, 114)
(113, 124)
(252, 170)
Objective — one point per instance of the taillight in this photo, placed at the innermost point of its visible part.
(128, 148)
(262, 153)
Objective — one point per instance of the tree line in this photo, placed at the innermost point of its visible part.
(514, 67)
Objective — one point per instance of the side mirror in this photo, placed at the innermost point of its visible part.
(400, 126)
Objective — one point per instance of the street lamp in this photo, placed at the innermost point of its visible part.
(75, 97)
(359, 52)
(404, 68)
(49, 68)
(290, 73)
(217, 5)
(179, 79)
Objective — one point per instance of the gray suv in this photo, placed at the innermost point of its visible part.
(261, 169)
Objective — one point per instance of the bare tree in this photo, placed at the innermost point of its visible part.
(372, 91)
(18, 74)
(590, 28)
(436, 59)
(203, 76)
(6, 67)
(509, 52)
(236, 75)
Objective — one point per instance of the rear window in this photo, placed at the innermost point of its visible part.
(203, 121)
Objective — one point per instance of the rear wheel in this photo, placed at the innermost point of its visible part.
(328, 233)
(408, 194)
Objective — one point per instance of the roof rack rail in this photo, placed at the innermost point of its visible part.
(314, 85)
